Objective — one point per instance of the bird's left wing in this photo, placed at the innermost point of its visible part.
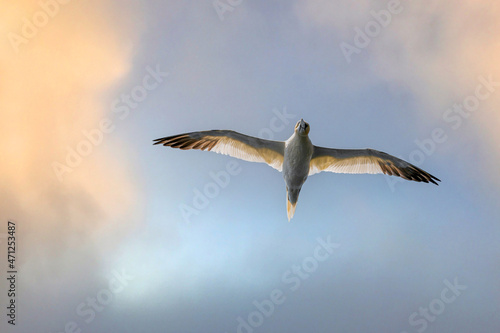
(365, 161)
(230, 143)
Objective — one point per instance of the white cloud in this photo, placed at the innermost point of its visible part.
(436, 51)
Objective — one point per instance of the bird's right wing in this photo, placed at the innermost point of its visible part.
(230, 143)
(365, 161)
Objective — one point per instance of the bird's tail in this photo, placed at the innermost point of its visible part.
(291, 202)
(290, 209)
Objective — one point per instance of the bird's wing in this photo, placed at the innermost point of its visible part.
(230, 143)
(365, 161)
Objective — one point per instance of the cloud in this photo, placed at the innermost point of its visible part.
(339, 15)
(54, 86)
(436, 51)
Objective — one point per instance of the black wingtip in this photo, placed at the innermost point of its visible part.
(432, 180)
(158, 141)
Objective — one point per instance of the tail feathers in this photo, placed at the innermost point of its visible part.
(290, 205)
(290, 209)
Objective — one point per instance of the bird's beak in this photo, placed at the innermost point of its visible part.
(302, 124)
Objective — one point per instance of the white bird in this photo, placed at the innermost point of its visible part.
(297, 157)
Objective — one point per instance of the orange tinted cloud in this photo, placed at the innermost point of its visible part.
(53, 87)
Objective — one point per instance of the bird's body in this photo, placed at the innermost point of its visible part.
(296, 160)
(297, 157)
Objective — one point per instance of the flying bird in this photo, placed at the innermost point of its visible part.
(297, 157)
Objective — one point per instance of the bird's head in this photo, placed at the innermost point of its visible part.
(302, 128)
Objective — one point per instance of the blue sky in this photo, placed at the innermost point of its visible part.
(102, 241)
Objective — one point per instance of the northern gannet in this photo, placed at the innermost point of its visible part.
(297, 157)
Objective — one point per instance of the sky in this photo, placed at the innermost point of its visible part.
(115, 234)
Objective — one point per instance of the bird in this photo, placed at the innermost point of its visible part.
(297, 158)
